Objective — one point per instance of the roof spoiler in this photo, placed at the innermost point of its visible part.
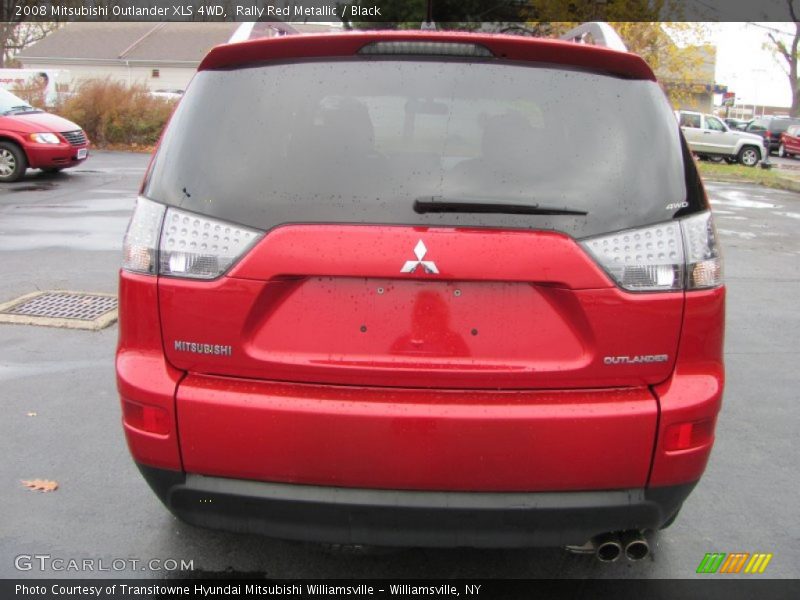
(597, 33)
(508, 47)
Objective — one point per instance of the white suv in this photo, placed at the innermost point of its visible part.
(709, 137)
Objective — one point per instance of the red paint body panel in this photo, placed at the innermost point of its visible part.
(37, 122)
(694, 392)
(143, 375)
(460, 254)
(42, 156)
(791, 143)
(511, 310)
(507, 47)
(416, 439)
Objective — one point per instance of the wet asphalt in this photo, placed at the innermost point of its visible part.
(64, 232)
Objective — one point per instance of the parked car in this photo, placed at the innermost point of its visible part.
(169, 94)
(790, 142)
(399, 305)
(709, 137)
(32, 138)
(736, 124)
(770, 129)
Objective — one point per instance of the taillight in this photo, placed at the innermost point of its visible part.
(642, 260)
(703, 257)
(676, 255)
(412, 48)
(199, 247)
(139, 250)
(170, 241)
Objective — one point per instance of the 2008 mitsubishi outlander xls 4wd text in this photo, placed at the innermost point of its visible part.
(422, 289)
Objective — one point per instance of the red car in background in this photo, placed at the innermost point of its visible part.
(32, 138)
(790, 142)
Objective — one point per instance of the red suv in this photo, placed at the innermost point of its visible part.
(790, 142)
(423, 289)
(32, 138)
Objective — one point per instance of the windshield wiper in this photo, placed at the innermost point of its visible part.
(437, 204)
(24, 107)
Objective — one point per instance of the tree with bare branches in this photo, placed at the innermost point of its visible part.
(16, 36)
(789, 55)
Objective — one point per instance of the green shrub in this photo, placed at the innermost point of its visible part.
(112, 112)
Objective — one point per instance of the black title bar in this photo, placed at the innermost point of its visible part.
(396, 11)
(223, 586)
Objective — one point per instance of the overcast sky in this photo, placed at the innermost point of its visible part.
(746, 67)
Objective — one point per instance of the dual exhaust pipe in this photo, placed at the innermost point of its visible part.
(608, 547)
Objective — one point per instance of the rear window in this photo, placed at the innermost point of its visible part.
(781, 125)
(358, 141)
(691, 120)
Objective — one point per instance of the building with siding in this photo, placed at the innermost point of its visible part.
(163, 56)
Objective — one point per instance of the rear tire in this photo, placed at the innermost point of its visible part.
(748, 156)
(13, 162)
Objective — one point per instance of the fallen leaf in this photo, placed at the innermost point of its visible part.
(40, 485)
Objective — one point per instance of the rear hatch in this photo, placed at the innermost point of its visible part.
(330, 304)
(421, 223)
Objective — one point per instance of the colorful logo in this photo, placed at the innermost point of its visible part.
(736, 562)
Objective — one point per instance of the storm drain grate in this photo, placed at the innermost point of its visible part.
(78, 310)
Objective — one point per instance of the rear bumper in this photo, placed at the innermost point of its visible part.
(416, 439)
(415, 467)
(411, 518)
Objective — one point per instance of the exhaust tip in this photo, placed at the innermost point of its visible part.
(608, 547)
(636, 546)
(608, 552)
(637, 550)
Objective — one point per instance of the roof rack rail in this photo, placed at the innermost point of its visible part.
(597, 33)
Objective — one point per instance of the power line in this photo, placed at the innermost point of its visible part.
(768, 28)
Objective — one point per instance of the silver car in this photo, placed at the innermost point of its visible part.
(709, 137)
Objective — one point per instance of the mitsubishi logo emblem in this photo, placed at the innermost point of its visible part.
(411, 265)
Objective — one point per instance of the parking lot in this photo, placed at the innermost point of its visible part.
(61, 416)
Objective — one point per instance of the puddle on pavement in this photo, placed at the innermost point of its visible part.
(791, 215)
(74, 230)
(46, 206)
(733, 202)
(33, 187)
(11, 370)
(738, 199)
(742, 234)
